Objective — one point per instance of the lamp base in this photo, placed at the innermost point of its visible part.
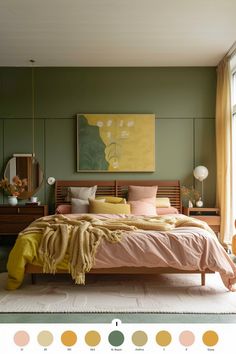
(199, 203)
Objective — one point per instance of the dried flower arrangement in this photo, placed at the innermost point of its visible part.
(15, 188)
(190, 193)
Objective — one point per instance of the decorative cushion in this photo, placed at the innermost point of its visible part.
(81, 193)
(140, 192)
(77, 206)
(111, 199)
(145, 206)
(96, 207)
(80, 206)
(63, 209)
(163, 203)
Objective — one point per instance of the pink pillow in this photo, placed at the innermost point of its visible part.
(63, 209)
(140, 192)
(145, 206)
(170, 210)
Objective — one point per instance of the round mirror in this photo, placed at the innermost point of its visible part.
(25, 168)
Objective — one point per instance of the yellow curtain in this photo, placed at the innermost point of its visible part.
(224, 150)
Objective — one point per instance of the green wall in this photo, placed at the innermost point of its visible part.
(183, 99)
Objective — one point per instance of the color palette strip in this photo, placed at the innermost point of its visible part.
(151, 338)
(116, 338)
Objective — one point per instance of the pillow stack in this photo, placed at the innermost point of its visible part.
(83, 201)
(79, 197)
(142, 200)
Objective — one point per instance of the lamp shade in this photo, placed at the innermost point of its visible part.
(200, 173)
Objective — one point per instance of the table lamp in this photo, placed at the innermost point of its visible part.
(200, 173)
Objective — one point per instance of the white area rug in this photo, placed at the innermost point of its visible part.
(175, 293)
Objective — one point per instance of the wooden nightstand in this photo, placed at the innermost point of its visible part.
(210, 215)
(14, 219)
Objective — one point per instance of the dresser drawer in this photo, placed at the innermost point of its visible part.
(210, 215)
(15, 223)
(209, 219)
(14, 219)
(22, 210)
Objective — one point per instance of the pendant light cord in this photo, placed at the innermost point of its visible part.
(33, 106)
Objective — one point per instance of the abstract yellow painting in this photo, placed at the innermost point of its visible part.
(116, 142)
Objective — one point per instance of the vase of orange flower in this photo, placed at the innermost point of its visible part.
(13, 189)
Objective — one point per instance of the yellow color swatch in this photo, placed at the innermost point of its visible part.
(92, 338)
(68, 338)
(210, 338)
(163, 338)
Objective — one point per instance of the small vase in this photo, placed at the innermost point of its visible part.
(12, 200)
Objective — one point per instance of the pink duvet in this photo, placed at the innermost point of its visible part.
(188, 248)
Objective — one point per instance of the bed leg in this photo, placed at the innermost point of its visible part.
(203, 278)
(33, 279)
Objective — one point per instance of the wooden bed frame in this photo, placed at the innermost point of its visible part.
(170, 189)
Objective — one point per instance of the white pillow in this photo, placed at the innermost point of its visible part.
(81, 193)
(80, 206)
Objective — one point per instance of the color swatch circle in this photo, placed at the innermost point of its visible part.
(21, 338)
(163, 338)
(186, 338)
(68, 338)
(210, 338)
(139, 338)
(92, 338)
(116, 338)
(45, 338)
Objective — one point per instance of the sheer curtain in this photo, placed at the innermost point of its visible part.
(233, 71)
(224, 195)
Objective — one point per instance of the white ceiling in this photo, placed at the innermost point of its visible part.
(116, 32)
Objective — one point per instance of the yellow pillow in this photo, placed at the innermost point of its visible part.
(111, 199)
(96, 207)
(162, 203)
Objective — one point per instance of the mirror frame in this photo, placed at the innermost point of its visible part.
(25, 194)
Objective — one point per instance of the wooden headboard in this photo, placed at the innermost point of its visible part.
(170, 189)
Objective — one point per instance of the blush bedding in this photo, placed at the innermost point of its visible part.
(194, 247)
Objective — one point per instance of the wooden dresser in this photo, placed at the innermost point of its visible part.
(14, 219)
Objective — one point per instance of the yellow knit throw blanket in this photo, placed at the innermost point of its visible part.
(79, 237)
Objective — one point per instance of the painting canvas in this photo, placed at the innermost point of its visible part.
(116, 142)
